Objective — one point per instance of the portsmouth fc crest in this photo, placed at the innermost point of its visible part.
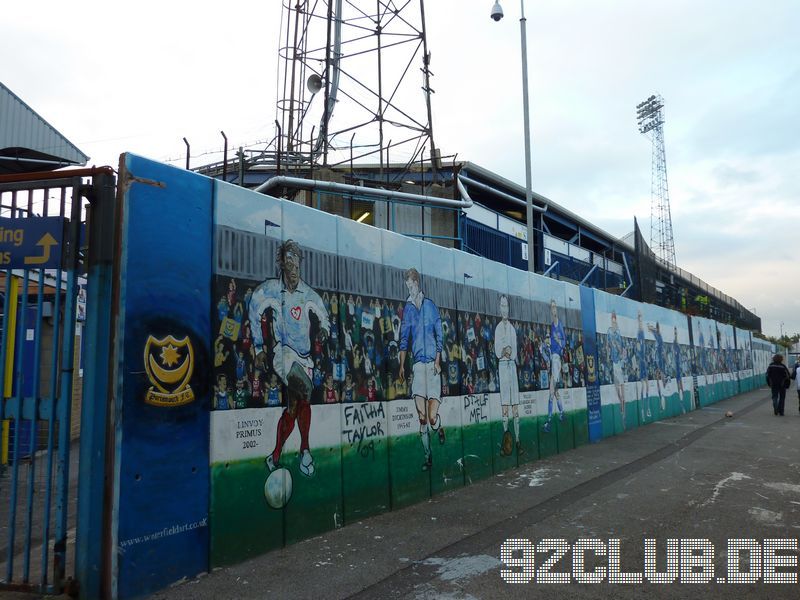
(169, 364)
(590, 368)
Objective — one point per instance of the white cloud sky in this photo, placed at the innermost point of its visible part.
(115, 78)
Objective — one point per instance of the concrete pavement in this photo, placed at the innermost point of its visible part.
(698, 476)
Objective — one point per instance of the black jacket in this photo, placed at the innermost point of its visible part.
(777, 374)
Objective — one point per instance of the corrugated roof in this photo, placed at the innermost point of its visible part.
(28, 142)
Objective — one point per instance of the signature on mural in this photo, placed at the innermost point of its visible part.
(169, 364)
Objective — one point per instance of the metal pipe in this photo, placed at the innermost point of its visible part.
(47, 175)
(550, 268)
(56, 163)
(280, 134)
(628, 271)
(352, 173)
(589, 274)
(185, 141)
(462, 190)
(344, 188)
(496, 192)
(225, 158)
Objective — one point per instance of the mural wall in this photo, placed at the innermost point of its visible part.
(301, 371)
(717, 373)
(644, 362)
(362, 370)
(744, 361)
(763, 351)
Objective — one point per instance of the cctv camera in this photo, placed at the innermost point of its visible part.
(497, 11)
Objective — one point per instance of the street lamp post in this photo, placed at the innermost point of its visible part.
(497, 14)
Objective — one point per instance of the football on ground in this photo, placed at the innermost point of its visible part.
(278, 488)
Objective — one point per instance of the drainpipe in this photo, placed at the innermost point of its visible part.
(496, 192)
(344, 188)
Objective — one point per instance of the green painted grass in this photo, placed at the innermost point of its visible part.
(529, 440)
(351, 482)
(502, 463)
(365, 479)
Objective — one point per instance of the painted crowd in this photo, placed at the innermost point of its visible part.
(354, 351)
(351, 349)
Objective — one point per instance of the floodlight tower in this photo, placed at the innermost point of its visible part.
(650, 118)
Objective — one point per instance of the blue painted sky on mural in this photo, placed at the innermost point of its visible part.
(143, 77)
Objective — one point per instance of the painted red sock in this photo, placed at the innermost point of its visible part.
(285, 428)
(303, 422)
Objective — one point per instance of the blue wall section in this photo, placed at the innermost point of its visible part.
(162, 450)
(593, 404)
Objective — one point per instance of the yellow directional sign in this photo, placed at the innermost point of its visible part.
(34, 242)
(47, 242)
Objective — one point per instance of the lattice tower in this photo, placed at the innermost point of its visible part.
(349, 83)
(651, 123)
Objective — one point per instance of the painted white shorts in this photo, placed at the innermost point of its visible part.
(619, 377)
(509, 384)
(427, 383)
(555, 369)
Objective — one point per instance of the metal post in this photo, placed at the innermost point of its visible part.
(352, 173)
(91, 549)
(387, 162)
(422, 172)
(379, 114)
(225, 158)
(426, 58)
(323, 131)
(290, 131)
(51, 417)
(526, 125)
(34, 424)
(65, 391)
(185, 141)
(17, 403)
(240, 154)
(311, 154)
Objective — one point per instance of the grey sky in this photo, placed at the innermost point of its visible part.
(141, 77)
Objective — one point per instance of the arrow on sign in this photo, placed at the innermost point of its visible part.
(47, 242)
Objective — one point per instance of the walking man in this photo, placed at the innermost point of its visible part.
(778, 380)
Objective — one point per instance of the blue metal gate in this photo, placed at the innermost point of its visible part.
(56, 304)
